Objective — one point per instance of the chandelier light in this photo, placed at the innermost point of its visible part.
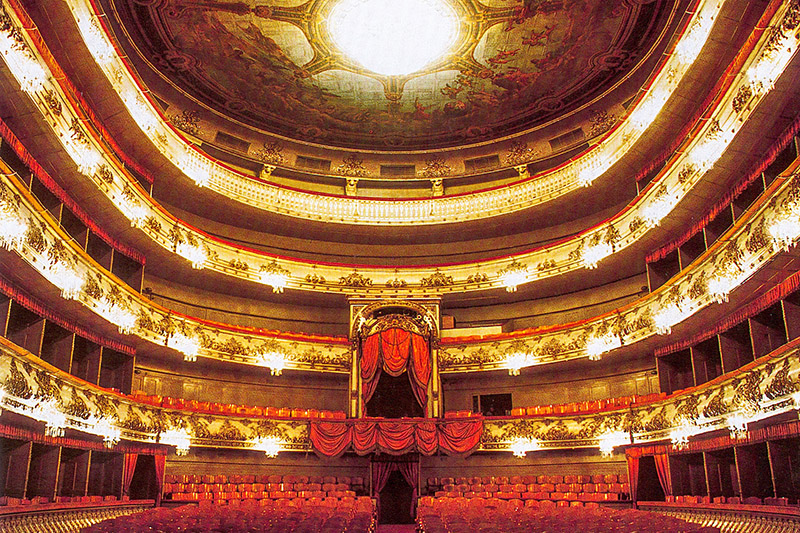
(785, 231)
(104, 428)
(657, 209)
(516, 361)
(276, 362)
(668, 316)
(679, 436)
(124, 319)
(594, 253)
(55, 422)
(275, 276)
(647, 111)
(188, 346)
(610, 440)
(520, 446)
(133, 211)
(141, 113)
(271, 445)
(513, 275)
(67, 279)
(709, 150)
(180, 438)
(737, 425)
(87, 158)
(195, 253)
(597, 346)
(720, 287)
(12, 229)
(28, 72)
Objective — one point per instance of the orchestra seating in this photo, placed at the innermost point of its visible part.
(221, 488)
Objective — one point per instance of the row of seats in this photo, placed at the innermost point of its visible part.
(459, 515)
(263, 478)
(280, 516)
(538, 496)
(253, 487)
(264, 495)
(234, 409)
(588, 406)
(528, 479)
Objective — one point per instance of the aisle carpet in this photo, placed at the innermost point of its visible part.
(396, 528)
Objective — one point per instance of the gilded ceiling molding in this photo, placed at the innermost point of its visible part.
(768, 387)
(353, 210)
(752, 242)
(758, 73)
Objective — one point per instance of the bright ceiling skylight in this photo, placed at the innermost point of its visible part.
(393, 37)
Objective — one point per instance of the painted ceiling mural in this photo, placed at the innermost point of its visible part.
(273, 65)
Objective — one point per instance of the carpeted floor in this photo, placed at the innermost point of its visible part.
(396, 528)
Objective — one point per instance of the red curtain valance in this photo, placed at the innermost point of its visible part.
(395, 437)
(394, 351)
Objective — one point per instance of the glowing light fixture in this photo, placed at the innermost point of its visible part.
(124, 319)
(29, 73)
(594, 253)
(271, 445)
(785, 231)
(597, 346)
(520, 446)
(86, 157)
(276, 362)
(680, 435)
(105, 428)
(196, 254)
(275, 276)
(513, 275)
(55, 421)
(516, 361)
(12, 229)
(188, 346)
(67, 279)
(393, 38)
(737, 425)
(689, 46)
(720, 288)
(96, 42)
(197, 167)
(668, 316)
(610, 440)
(655, 211)
(179, 438)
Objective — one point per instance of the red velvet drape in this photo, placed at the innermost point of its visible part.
(380, 475)
(331, 438)
(662, 467)
(419, 369)
(394, 351)
(410, 471)
(128, 467)
(370, 367)
(633, 471)
(160, 463)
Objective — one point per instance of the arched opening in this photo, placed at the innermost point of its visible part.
(394, 398)
(649, 488)
(144, 485)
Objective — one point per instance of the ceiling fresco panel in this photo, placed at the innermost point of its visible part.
(273, 65)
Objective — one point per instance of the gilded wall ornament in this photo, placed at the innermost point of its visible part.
(152, 224)
(34, 237)
(601, 122)
(315, 279)
(188, 121)
(519, 153)
(743, 96)
(16, 384)
(52, 101)
(238, 264)
(436, 167)
(686, 172)
(478, 278)
(271, 153)
(758, 238)
(437, 279)
(716, 405)
(352, 165)
(107, 177)
(77, 406)
(781, 384)
(356, 280)
(229, 432)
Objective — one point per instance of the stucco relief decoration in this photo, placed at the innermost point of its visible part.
(511, 65)
(271, 153)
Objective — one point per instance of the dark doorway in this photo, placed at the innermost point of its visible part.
(395, 501)
(394, 398)
(143, 483)
(649, 488)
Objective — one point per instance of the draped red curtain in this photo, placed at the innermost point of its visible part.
(160, 463)
(419, 369)
(380, 475)
(633, 470)
(395, 437)
(662, 468)
(128, 467)
(395, 344)
(395, 350)
(410, 471)
(370, 367)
